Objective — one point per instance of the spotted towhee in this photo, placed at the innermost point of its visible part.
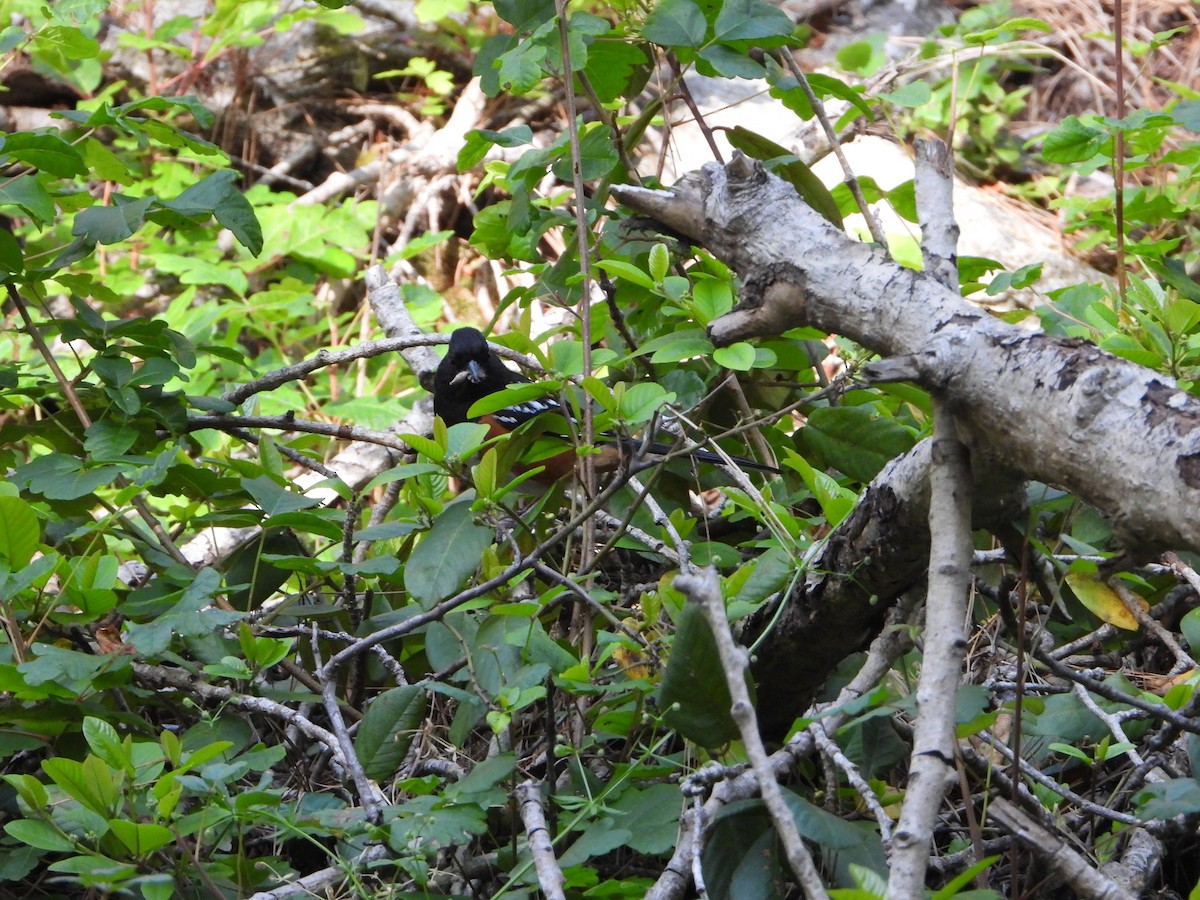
(471, 371)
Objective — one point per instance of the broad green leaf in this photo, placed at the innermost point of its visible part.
(111, 224)
(1167, 799)
(192, 616)
(46, 151)
(626, 270)
(727, 63)
(597, 154)
(525, 15)
(1190, 626)
(250, 578)
(447, 555)
(520, 69)
(747, 20)
(91, 782)
(911, 95)
(28, 194)
(739, 357)
(39, 834)
(479, 141)
(694, 696)
(510, 396)
(853, 439)
(20, 532)
(641, 401)
(741, 860)
(67, 40)
(141, 838)
(617, 69)
(1072, 141)
(676, 23)
(835, 500)
(31, 791)
(70, 669)
(273, 499)
(11, 258)
(103, 740)
(387, 730)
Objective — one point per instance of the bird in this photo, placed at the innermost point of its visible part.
(470, 371)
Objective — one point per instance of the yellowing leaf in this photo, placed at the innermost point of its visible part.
(1103, 601)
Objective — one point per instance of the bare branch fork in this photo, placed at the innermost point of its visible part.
(1131, 445)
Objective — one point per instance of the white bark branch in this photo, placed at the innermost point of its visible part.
(704, 588)
(931, 765)
(1121, 437)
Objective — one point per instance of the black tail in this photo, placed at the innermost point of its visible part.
(656, 449)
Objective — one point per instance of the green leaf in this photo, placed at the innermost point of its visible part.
(728, 63)
(19, 532)
(27, 193)
(676, 23)
(91, 782)
(103, 740)
(641, 401)
(141, 838)
(911, 95)
(387, 730)
(739, 357)
(425, 446)
(1167, 799)
(70, 42)
(678, 346)
(447, 555)
(835, 500)
(520, 69)
(46, 151)
(192, 616)
(853, 439)
(31, 791)
(217, 195)
(479, 141)
(525, 15)
(251, 578)
(748, 20)
(39, 834)
(694, 695)
(863, 57)
(510, 396)
(628, 271)
(70, 669)
(740, 857)
(597, 153)
(617, 69)
(1006, 29)
(111, 224)
(1190, 626)
(273, 498)
(1072, 141)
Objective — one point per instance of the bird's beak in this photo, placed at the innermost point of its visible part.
(473, 373)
